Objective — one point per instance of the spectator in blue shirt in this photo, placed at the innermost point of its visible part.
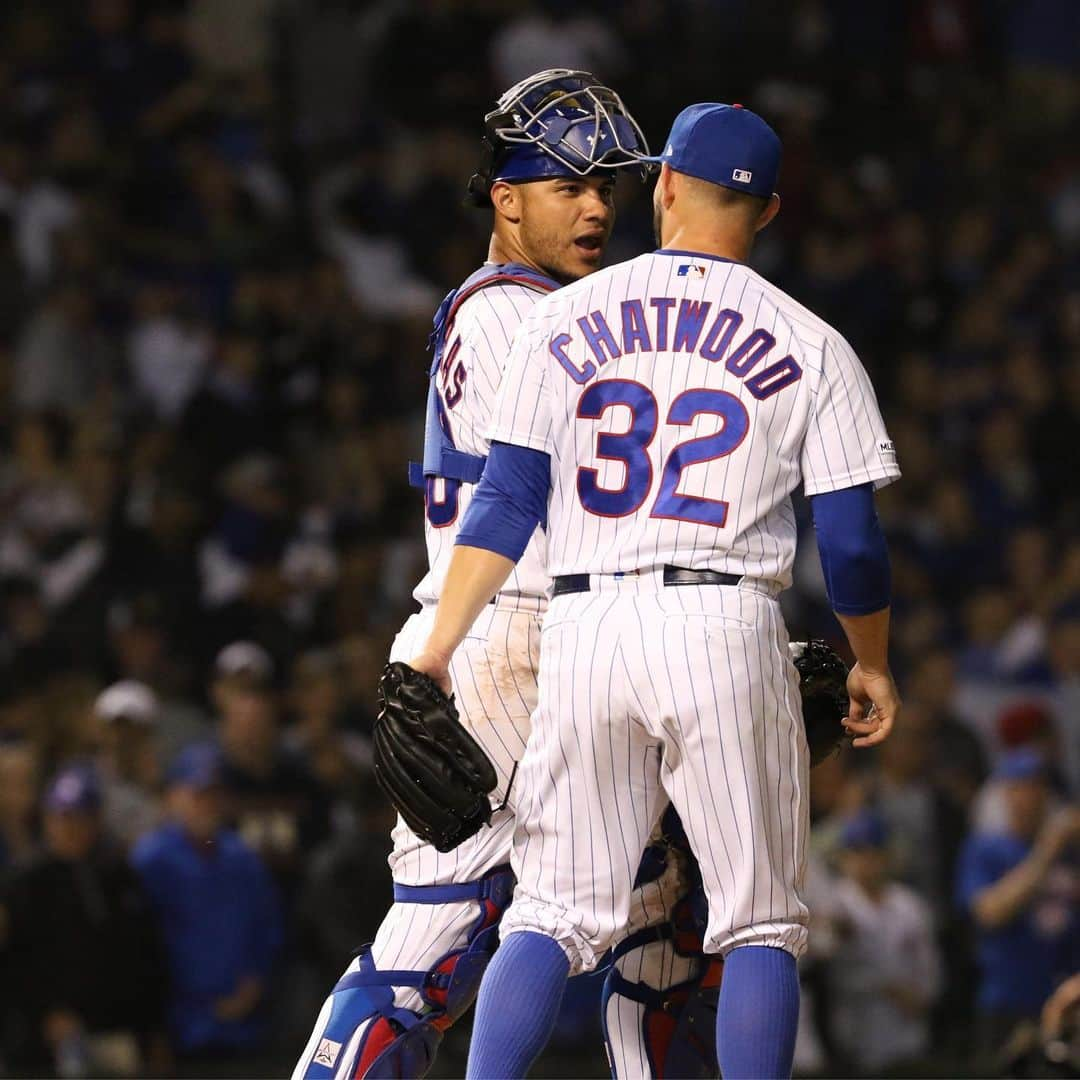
(218, 912)
(1019, 888)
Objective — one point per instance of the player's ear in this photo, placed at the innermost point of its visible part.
(772, 208)
(665, 186)
(506, 198)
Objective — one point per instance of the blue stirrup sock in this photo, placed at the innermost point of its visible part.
(517, 1006)
(758, 1014)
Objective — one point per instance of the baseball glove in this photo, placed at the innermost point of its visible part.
(823, 688)
(429, 766)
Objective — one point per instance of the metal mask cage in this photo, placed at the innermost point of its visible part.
(570, 116)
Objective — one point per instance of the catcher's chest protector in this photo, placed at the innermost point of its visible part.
(441, 457)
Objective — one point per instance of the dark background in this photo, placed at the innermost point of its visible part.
(224, 227)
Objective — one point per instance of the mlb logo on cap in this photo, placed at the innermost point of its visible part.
(726, 145)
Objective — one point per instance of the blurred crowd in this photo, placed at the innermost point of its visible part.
(224, 228)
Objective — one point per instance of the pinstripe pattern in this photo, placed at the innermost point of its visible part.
(485, 326)
(494, 674)
(702, 693)
(495, 689)
(687, 693)
(824, 431)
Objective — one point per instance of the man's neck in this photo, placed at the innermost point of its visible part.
(502, 250)
(725, 245)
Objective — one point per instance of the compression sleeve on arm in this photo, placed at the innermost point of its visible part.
(852, 548)
(509, 502)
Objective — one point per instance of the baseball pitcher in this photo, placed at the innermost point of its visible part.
(657, 416)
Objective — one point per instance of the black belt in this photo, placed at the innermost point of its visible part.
(673, 575)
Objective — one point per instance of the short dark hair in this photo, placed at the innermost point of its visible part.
(725, 198)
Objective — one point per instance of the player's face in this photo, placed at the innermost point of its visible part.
(566, 224)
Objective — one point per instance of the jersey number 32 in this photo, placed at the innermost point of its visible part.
(631, 449)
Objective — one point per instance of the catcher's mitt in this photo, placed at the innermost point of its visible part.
(429, 766)
(823, 688)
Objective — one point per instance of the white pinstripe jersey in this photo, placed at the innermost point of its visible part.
(682, 398)
(478, 342)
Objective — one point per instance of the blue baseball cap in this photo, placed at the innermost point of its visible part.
(866, 829)
(197, 766)
(1021, 764)
(74, 789)
(726, 145)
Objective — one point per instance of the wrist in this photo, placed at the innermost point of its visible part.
(439, 651)
(875, 669)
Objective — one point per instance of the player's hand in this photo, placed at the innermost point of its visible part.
(873, 705)
(434, 665)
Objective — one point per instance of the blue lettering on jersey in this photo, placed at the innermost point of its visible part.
(599, 337)
(747, 356)
(718, 340)
(688, 327)
(663, 305)
(742, 362)
(557, 347)
(635, 334)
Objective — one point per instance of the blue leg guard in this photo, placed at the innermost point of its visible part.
(678, 1022)
(677, 1036)
(399, 1043)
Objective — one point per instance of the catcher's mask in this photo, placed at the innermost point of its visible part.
(556, 123)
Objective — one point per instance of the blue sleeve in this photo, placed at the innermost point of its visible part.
(854, 557)
(509, 502)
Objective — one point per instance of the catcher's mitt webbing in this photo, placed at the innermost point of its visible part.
(823, 688)
(432, 770)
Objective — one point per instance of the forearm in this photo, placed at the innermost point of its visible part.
(474, 577)
(1001, 902)
(868, 636)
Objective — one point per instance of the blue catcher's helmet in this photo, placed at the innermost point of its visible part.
(557, 123)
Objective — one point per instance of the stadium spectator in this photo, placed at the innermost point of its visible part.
(19, 779)
(223, 232)
(127, 762)
(217, 910)
(1020, 887)
(340, 760)
(274, 802)
(79, 943)
(885, 972)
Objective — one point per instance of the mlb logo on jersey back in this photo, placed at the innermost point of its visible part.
(692, 270)
(744, 176)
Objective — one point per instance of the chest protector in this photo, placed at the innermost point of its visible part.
(441, 457)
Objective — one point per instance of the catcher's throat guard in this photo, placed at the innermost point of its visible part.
(557, 123)
(432, 770)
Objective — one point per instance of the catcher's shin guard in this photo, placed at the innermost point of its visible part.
(678, 1022)
(366, 1035)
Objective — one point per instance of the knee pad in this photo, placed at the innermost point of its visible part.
(399, 1043)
